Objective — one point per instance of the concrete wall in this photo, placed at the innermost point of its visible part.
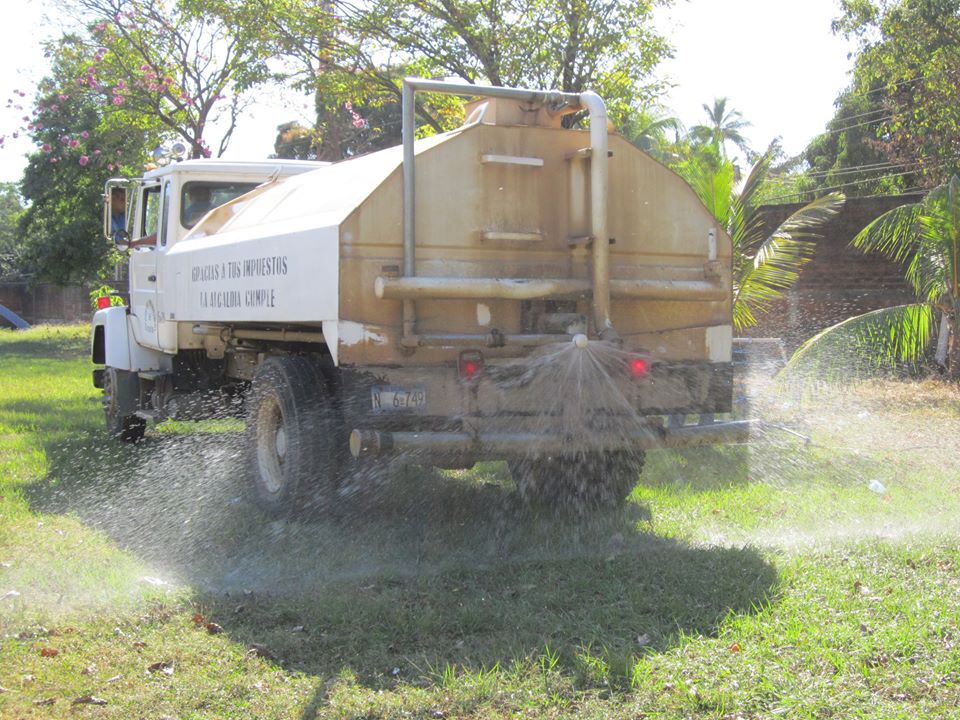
(839, 281)
(43, 302)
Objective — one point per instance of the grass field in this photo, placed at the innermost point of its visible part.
(760, 581)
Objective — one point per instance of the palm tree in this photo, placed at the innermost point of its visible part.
(925, 238)
(648, 129)
(724, 126)
(764, 266)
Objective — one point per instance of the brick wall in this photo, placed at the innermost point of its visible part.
(43, 302)
(839, 281)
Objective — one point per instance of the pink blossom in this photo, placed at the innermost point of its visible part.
(144, 67)
(74, 144)
(100, 27)
(121, 84)
(64, 139)
(39, 126)
(118, 99)
(348, 105)
(83, 160)
(54, 108)
(46, 147)
(84, 134)
(110, 167)
(63, 98)
(97, 151)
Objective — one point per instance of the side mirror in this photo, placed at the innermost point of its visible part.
(115, 213)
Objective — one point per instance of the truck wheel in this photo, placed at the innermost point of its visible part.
(578, 483)
(120, 394)
(288, 435)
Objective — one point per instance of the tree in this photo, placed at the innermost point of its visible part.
(764, 266)
(10, 247)
(848, 154)
(346, 52)
(649, 130)
(925, 238)
(80, 143)
(908, 63)
(175, 62)
(723, 126)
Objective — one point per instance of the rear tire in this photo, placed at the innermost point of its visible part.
(120, 394)
(289, 435)
(578, 483)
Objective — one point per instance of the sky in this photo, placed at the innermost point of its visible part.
(776, 61)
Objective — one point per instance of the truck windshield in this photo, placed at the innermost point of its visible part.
(200, 197)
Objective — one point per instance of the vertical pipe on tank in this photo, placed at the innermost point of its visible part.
(598, 214)
(598, 178)
(409, 126)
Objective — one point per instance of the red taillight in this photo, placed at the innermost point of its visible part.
(639, 367)
(103, 302)
(470, 365)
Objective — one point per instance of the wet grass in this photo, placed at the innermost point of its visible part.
(741, 582)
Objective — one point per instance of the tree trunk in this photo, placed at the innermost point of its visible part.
(953, 351)
(943, 339)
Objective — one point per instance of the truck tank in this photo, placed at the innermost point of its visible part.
(509, 290)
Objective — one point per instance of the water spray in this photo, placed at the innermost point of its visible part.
(580, 340)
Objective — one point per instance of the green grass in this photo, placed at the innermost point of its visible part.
(740, 582)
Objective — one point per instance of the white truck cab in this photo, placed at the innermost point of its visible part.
(161, 208)
(149, 216)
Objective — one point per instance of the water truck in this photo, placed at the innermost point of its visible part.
(511, 290)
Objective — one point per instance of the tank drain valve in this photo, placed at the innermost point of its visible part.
(580, 340)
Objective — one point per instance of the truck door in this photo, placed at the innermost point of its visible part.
(143, 267)
(166, 291)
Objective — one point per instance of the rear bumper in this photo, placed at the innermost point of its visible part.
(498, 446)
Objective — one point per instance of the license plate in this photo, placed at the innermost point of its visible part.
(393, 398)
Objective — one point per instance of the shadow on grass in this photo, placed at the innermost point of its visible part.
(436, 571)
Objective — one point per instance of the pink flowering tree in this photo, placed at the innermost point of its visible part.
(79, 144)
(137, 74)
(172, 62)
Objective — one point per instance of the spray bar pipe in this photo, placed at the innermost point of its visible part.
(597, 111)
(445, 288)
(496, 446)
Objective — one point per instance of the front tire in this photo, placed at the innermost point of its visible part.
(289, 436)
(121, 392)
